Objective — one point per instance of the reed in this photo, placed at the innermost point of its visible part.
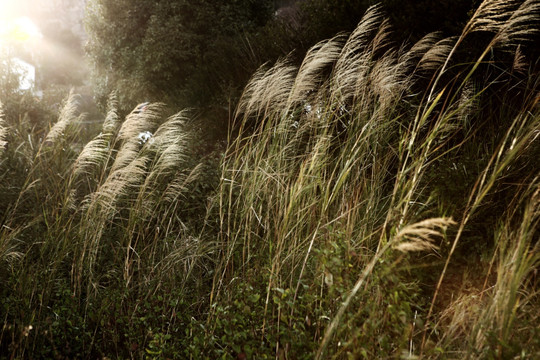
(337, 157)
(376, 201)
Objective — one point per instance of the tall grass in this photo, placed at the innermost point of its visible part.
(104, 218)
(334, 175)
(374, 202)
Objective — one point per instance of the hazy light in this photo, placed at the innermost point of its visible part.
(26, 72)
(10, 9)
(6, 6)
(20, 29)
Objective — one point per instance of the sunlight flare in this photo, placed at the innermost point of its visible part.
(21, 29)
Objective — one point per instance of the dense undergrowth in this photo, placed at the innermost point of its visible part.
(376, 202)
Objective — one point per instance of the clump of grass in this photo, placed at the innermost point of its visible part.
(356, 185)
(499, 317)
(340, 154)
(106, 218)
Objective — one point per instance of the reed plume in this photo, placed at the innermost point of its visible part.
(68, 115)
(3, 132)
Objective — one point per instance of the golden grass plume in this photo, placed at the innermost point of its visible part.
(68, 115)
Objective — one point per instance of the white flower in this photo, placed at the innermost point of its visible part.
(144, 137)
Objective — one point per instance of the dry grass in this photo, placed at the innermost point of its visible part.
(3, 131)
(337, 157)
(329, 214)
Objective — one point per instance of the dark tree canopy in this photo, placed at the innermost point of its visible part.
(410, 19)
(169, 50)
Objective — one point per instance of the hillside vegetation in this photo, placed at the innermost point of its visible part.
(378, 201)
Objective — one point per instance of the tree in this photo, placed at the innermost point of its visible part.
(173, 51)
(410, 19)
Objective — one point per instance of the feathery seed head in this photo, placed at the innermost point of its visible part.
(310, 74)
(127, 153)
(3, 130)
(93, 157)
(122, 183)
(420, 236)
(112, 121)
(170, 146)
(138, 121)
(67, 116)
(437, 54)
